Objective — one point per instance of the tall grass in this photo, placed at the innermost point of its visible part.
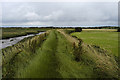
(45, 63)
(99, 61)
(55, 61)
(60, 56)
(22, 51)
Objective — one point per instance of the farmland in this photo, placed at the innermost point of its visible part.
(56, 54)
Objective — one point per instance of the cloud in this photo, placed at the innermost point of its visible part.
(32, 16)
(59, 0)
(54, 16)
(45, 13)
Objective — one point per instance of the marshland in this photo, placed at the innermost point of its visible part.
(61, 53)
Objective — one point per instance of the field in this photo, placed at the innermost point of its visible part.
(56, 54)
(105, 38)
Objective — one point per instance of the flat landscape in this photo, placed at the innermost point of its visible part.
(56, 53)
(63, 39)
(105, 38)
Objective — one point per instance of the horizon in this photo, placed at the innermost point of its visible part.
(58, 26)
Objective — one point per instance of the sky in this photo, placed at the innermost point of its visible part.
(60, 13)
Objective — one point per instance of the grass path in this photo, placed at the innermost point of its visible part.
(45, 64)
(55, 59)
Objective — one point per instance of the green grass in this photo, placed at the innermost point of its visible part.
(56, 58)
(105, 39)
(19, 55)
(45, 63)
(14, 32)
(69, 68)
(56, 61)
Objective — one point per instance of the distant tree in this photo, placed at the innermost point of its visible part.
(78, 29)
(118, 30)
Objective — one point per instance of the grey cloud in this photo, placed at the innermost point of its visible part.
(45, 13)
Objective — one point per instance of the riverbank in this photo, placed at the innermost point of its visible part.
(16, 32)
(19, 55)
(11, 41)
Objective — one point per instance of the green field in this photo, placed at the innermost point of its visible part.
(106, 39)
(56, 54)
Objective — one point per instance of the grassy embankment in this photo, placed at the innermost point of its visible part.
(19, 55)
(102, 62)
(14, 32)
(55, 61)
(105, 38)
(62, 56)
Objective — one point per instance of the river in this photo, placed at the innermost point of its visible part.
(11, 41)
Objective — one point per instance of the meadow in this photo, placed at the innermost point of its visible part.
(104, 38)
(57, 54)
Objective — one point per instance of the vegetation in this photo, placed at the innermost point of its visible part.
(106, 39)
(118, 30)
(102, 27)
(18, 56)
(56, 54)
(78, 29)
(14, 32)
(97, 60)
